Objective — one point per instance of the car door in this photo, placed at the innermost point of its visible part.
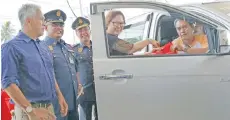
(167, 87)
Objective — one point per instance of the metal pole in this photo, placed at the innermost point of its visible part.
(81, 10)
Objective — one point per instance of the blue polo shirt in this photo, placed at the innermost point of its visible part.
(28, 64)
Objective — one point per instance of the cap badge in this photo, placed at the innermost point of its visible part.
(58, 13)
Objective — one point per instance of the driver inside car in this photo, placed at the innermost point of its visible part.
(190, 40)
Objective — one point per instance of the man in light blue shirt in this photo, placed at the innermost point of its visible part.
(27, 69)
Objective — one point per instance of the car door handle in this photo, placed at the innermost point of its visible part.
(116, 77)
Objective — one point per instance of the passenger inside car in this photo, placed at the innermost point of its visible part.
(198, 28)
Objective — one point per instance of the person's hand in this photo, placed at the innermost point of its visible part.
(177, 47)
(63, 106)
(41, 114)
(153, 51)
(148, 53)
(155, 43)
(80, 90)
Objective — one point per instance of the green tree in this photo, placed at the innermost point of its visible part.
(7, 31)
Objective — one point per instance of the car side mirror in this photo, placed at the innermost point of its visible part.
(224, 50)
(224, 44)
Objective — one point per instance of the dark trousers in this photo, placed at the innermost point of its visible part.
(87, 107)
(73, 115)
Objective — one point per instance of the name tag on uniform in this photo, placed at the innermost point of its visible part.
(71, 60)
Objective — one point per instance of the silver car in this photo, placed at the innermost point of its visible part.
(163, 87)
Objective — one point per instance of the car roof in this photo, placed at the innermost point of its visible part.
(219, 8)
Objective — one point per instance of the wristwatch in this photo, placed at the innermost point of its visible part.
(29, 109)
(185, 49)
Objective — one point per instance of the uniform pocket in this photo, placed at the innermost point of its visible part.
(82, 58)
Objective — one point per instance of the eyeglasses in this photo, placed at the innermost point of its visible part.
(118, 23)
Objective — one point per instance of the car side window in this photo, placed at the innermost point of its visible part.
(131, 29)
(171, 30)
(177, 34)
(134, 31)
(166, 30)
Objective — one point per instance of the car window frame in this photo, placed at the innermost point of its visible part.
(161, 55)
(100, 9)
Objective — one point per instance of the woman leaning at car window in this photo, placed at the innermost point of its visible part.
(115, 21)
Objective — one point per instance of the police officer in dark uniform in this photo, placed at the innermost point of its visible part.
(87, 97)
(64, 63)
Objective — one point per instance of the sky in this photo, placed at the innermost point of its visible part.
(9, 9)
(7, 14)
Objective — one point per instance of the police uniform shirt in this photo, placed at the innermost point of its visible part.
(85, 63)
(65, 70)
(85, 69)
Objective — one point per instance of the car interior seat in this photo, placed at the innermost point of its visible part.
(167, 30)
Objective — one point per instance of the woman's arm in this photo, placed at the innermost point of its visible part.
(141, 44)
(123, 46)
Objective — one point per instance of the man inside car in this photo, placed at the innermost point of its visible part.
(190, 40)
